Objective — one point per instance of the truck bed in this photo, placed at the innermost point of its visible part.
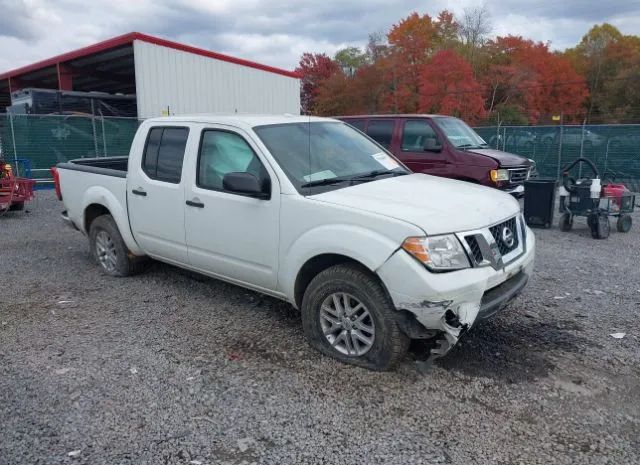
(107, 166)
(94, 180)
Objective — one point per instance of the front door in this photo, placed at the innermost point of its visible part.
(422, 150)
(155, 195)
(229, 234)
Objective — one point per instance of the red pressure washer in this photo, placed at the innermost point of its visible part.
(587, 197)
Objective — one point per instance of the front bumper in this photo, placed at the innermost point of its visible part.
(516, 191)
(472, 294)
(497, 298)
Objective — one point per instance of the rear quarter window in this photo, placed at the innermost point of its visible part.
(356, 123)
(381, 131)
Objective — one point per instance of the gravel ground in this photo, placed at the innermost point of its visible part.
(171, 367)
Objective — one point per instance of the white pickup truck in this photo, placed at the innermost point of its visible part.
(312, 211)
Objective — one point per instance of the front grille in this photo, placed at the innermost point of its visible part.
(498, 232)
(518, 175)
(475, 248)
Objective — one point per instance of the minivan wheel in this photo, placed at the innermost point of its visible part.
(108, 249)
(346, 314)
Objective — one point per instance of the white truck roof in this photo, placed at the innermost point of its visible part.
(238, 120)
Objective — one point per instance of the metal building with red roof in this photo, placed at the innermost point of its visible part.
(165, 76)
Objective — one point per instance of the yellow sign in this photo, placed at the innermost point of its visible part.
(555, 117)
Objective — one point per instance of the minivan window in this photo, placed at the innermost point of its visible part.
(312, 153)
(417, 135)
(381, 131)
(164, 153)
(357, 123)
(459, 133)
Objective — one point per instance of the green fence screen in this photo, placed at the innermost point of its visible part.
(49, 139)
(615, 149)
(46, 140)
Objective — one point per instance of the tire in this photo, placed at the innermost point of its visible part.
(16, 207)
(600, 227)
(566, 222)
(353, 284)
(624, 223)
(108, 249)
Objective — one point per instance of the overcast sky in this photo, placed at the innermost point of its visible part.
(277, 32)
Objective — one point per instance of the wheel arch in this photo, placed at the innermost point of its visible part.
(317, 264)
(98, 201)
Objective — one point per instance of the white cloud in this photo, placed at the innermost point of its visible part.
(274, 32)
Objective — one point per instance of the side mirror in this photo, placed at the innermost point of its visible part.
(432, 145)
(246, 184)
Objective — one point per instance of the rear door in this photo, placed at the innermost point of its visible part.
(156, 194)
(419, 145)
(229, 234)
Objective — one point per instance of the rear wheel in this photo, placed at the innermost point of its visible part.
(347, 315)
(600, 227)
(109, 250)
(624, 223)
(16, 207)
(566, 222)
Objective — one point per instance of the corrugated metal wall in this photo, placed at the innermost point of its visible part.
(189, 83)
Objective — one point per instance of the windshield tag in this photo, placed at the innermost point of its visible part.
(320, 175)
(385, 160)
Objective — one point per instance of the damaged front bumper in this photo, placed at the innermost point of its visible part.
(451, 303)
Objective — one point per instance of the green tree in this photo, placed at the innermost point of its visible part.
(350, 59)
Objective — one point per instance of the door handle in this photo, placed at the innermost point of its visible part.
(193, 203)
(139, 192)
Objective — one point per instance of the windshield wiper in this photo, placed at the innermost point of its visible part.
(360, 177)
(472, 146)
(326, 181)
(376, 173)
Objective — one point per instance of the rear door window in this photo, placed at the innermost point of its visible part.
(381, 131)
(164, 153)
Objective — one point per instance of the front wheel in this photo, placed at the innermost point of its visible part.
(347, 315)
(109, 250)
(566, 222)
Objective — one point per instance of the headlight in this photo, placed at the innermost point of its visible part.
(438, 253)
(499, 175)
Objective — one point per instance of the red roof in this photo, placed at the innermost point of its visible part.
(128, 39)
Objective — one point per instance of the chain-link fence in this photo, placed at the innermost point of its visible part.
(49, 139)
(615, 149)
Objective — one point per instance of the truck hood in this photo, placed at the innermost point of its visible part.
(436, 205)
(505, 159)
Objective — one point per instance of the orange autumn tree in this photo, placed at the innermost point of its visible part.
(447, 86)
(314, 69)
(412, 41)
(526, 75)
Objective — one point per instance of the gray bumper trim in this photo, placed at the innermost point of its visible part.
(495, 299)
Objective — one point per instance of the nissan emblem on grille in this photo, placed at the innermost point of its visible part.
(507, 237)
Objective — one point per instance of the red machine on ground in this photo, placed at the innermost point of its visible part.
(14, 191)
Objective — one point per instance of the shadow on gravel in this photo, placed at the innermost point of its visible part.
(512, 351)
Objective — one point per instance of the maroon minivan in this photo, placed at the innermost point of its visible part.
(445, 146)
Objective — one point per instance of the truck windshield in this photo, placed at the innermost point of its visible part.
(326, 155)
(460, 134)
